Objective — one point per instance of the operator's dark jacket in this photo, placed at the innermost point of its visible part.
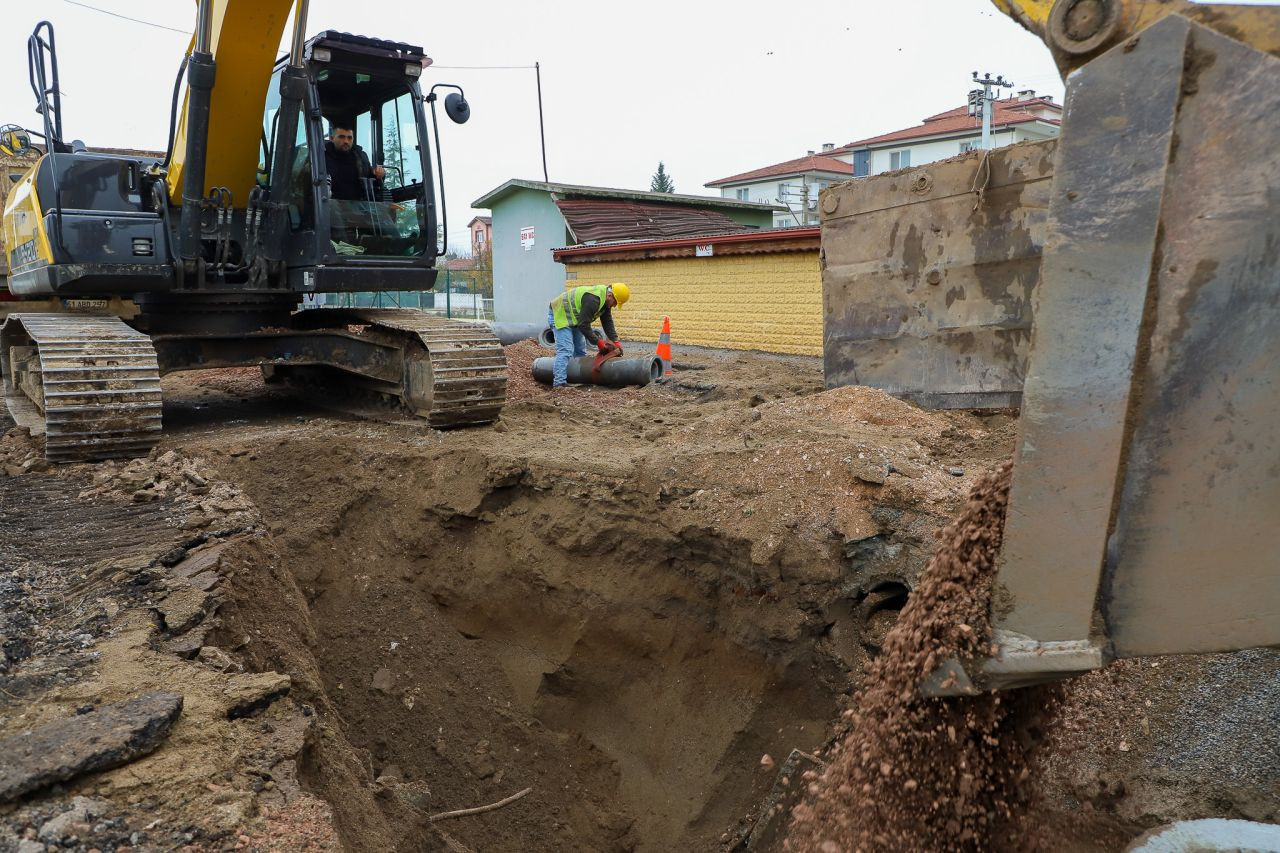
(348, 171)
(590, 305)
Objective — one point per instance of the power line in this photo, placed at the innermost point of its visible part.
(127, 18)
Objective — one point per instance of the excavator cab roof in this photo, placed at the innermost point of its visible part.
(359, 48)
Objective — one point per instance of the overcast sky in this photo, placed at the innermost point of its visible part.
(712, 88)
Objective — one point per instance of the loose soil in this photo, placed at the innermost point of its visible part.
(917, 773)
(625, 600)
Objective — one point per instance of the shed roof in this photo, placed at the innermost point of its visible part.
(580, 191)
(763, 241)
(603, 220)
(798, 166)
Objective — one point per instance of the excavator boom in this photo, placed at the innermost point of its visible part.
(244, 40)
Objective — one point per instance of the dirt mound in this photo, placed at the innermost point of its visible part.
(933, 774)
(855, 403)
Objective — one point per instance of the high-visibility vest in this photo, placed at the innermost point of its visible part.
(567, 307)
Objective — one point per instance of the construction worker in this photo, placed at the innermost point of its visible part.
(570, 317)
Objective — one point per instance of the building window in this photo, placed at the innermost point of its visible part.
(744, 194)
(900, 159)
(966, 147)
(782, 223)
(861, 164)
(479, 238)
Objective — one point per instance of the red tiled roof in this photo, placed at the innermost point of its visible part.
(594, 220)
(800, 165)
(1009, 111)
(460, 264)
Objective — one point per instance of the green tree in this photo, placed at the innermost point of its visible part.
(661, 182)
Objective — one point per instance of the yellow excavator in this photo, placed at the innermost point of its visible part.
(1144, 514)
(134, 267)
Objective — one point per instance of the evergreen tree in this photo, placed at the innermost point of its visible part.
(661, 182)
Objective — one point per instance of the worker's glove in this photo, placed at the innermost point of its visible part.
(618, 346)
(604, 346)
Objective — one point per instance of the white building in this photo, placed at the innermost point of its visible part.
(794, 184)
(1026, 116)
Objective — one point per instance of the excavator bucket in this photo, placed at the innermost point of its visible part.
(1144, 515)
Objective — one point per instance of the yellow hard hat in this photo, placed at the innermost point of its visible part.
(620, 292)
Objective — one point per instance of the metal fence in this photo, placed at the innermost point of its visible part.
(452, 297)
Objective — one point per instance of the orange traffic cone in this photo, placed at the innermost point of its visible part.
(664, 346)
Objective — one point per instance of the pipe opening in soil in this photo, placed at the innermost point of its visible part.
(880, 610)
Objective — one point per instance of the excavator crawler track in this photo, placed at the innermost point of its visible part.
(455, 372)
(90, 384)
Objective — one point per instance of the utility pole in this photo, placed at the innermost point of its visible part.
(542, 132)
(982, 101)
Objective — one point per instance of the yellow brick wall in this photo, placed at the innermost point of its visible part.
(769, 302)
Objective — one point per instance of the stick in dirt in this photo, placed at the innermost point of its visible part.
(479, 809)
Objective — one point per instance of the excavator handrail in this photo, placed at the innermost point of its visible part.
(42, 64)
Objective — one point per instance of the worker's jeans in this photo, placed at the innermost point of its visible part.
(569, 343)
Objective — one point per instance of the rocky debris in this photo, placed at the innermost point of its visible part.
(64, 826)
(917, 773)
(868, 472)
(905, 469)
(97, 740)
(383, 681)
(247, 694)
(20, 453)
(184, 608)
(172, 475)
(218, 659)
(199, 562)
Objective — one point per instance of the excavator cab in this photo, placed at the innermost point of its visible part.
(338, 224)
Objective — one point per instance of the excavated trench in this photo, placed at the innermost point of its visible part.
(480, 626)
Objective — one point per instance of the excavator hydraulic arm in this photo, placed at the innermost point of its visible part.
(243, 40)
(1146, 487)
(1075, 31)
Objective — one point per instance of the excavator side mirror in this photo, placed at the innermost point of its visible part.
(457, 108)
(14, 141)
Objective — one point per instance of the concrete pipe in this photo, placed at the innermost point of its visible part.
(548, 338)
(616, 372)
(514, 333)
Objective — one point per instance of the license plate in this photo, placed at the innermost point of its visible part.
(86, 304)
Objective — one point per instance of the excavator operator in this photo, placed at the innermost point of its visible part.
(352, 177)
